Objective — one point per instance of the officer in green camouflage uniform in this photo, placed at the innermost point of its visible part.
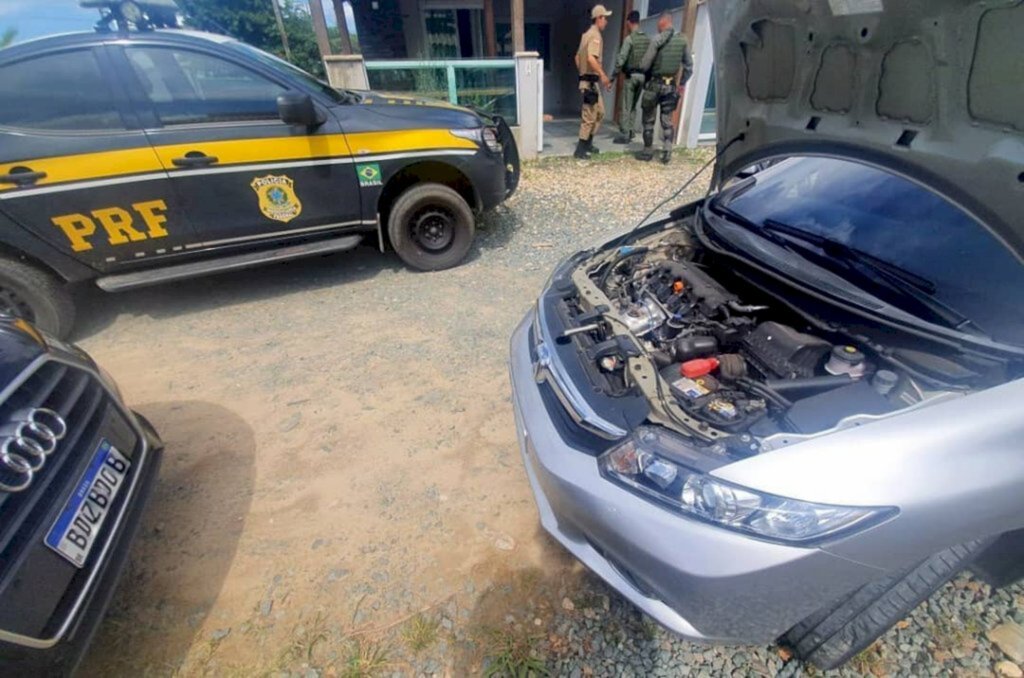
(665, 55)
(628, 62)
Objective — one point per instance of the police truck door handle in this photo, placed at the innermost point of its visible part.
(22, 176)
(194, 159)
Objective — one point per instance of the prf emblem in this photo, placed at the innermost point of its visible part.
(277, 197)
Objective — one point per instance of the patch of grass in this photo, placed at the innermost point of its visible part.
(305, 637)
(513, 653)
(870, 661)
(366, 658)
(699, 154)
(648, 629)
(420, 632)
(951, 633)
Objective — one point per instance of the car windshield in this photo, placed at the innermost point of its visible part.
(289, 71)
(893, 220)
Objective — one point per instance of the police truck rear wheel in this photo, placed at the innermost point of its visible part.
(431, 227)
(37, 296)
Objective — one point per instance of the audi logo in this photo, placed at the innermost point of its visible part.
(26, 443)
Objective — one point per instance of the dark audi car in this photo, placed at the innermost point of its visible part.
(76, 467)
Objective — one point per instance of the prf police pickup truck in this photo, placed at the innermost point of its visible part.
(137, 158)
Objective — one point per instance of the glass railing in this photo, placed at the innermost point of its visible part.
(485, 84)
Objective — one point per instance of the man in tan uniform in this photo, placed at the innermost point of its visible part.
(588, 63)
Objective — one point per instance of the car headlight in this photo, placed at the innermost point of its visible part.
(664, 468)
(485, 136)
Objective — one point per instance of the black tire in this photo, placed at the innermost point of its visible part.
(431, 227)
(36, 295)
(834, 635)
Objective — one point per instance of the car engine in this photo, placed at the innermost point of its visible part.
(735, 366)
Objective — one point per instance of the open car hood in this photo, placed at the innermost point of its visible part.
(930, 89)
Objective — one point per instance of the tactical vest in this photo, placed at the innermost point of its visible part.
(669, 57)
(636, 52)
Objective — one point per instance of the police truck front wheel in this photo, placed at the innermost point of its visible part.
(36, 295)
(431, 227)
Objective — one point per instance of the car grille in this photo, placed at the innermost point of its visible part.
(82, 402)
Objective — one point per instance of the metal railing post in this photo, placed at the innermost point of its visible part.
(453, 95)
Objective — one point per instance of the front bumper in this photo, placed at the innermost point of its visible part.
(699, 581)
(63, 655)
(486, 170)
(495, 177)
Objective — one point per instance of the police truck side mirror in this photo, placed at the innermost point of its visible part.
(296, 108)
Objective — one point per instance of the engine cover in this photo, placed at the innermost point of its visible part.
(780, 350)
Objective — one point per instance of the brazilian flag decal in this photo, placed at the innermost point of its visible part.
(369, 174)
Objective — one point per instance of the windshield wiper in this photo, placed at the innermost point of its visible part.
(890, 276)
(840, 250)
(735, 217)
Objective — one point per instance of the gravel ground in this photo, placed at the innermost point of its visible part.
(342, 492)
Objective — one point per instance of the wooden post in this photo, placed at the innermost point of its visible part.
(490, 39)
(690, 19)
(316, 11)
(280, 29)
(342, 21)
(518, 29)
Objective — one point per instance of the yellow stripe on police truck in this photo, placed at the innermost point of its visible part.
(60, 169)
(126, 162)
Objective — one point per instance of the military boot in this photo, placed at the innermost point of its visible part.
(623, 139)
(648, 153)
(590, 146)
(581, 150)
(666, 157)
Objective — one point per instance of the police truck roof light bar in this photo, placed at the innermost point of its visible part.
(144, 15)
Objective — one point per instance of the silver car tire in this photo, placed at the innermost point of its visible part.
(834, 635)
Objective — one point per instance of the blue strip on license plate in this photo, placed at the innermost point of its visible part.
(76, 528)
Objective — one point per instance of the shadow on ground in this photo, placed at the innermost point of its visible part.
(186, 544)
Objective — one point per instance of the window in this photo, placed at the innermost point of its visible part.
(192, 88)
(61, 91)
(288, 70)
(537, 37)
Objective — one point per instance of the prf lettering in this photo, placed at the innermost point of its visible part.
(118, 223)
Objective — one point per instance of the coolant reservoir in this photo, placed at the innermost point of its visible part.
(846, 360)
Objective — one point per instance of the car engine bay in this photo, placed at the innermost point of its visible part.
(733, 362)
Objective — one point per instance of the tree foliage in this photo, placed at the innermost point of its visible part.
(7, 37)
(252, 21)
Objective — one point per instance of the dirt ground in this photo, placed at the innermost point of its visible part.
(340, 450)
(342, 493)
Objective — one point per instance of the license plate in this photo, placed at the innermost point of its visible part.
(76, 529)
